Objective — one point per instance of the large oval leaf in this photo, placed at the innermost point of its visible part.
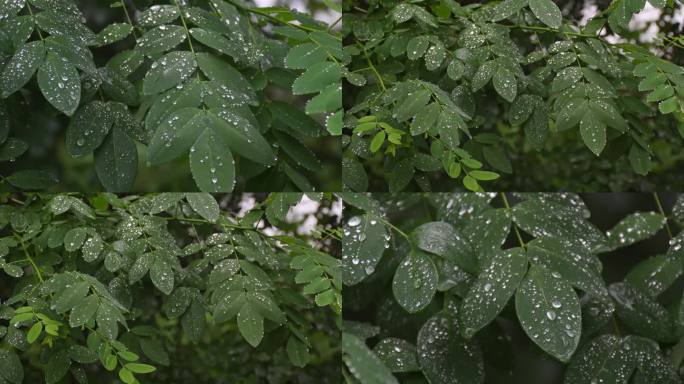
(365, 240)
(415, 281)
(549, 312)
(490, 293)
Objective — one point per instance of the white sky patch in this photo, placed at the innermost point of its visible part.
(327, 17)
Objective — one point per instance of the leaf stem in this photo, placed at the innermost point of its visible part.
(372, 67)
(662, 212)
(28, 256)
(515, 226)
(28, 6)
(399, 231)
(185, 25)
(128, 17)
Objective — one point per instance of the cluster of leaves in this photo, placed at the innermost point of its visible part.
(467, 271)
(200, 82)
(135, 284)
(460, 85)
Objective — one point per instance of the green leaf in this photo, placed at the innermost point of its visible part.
(471, 184)
(317, 77)
(490, 293)
(364, 364)
(60, 83)
(230, 82)
(661, 93)
(508, 8)
(20, 69)
(362, 248)
(205, 205)
(593, 133)
(58, 363)
(425, 119)
(445, 357)
(655, 274)
(298, 152)
(158, 14)
(297, 352)
(169, 71)
(434, 57)
(161, 275)
(238, 133)
(74, 238)
(640, 160)
(140, 368)
(484, 175)
(251, 324)
(299, 122)
(634, 228)
(32, 179)
(113, 33)
(84, 311)
(212, 164)
(116, 161)
(505, 83)
(398, 355)
(12, 148)
(161, 39)
(329, 100)
(606, 359)
(377, 141)
(549, 312)
(305, 55)
(413, 103)
(416, 47)
(668, 105)
(483, 75)
(573, 263)
(34, 332)
(415, 281)
(547, 12)
(126, 376)
(401, 175)
(641, 313)
(175, 135)
(88, 128)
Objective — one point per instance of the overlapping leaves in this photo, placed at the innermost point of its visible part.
(537, 261)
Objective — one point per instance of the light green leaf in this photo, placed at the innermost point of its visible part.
(549, 312)
(140, 368)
